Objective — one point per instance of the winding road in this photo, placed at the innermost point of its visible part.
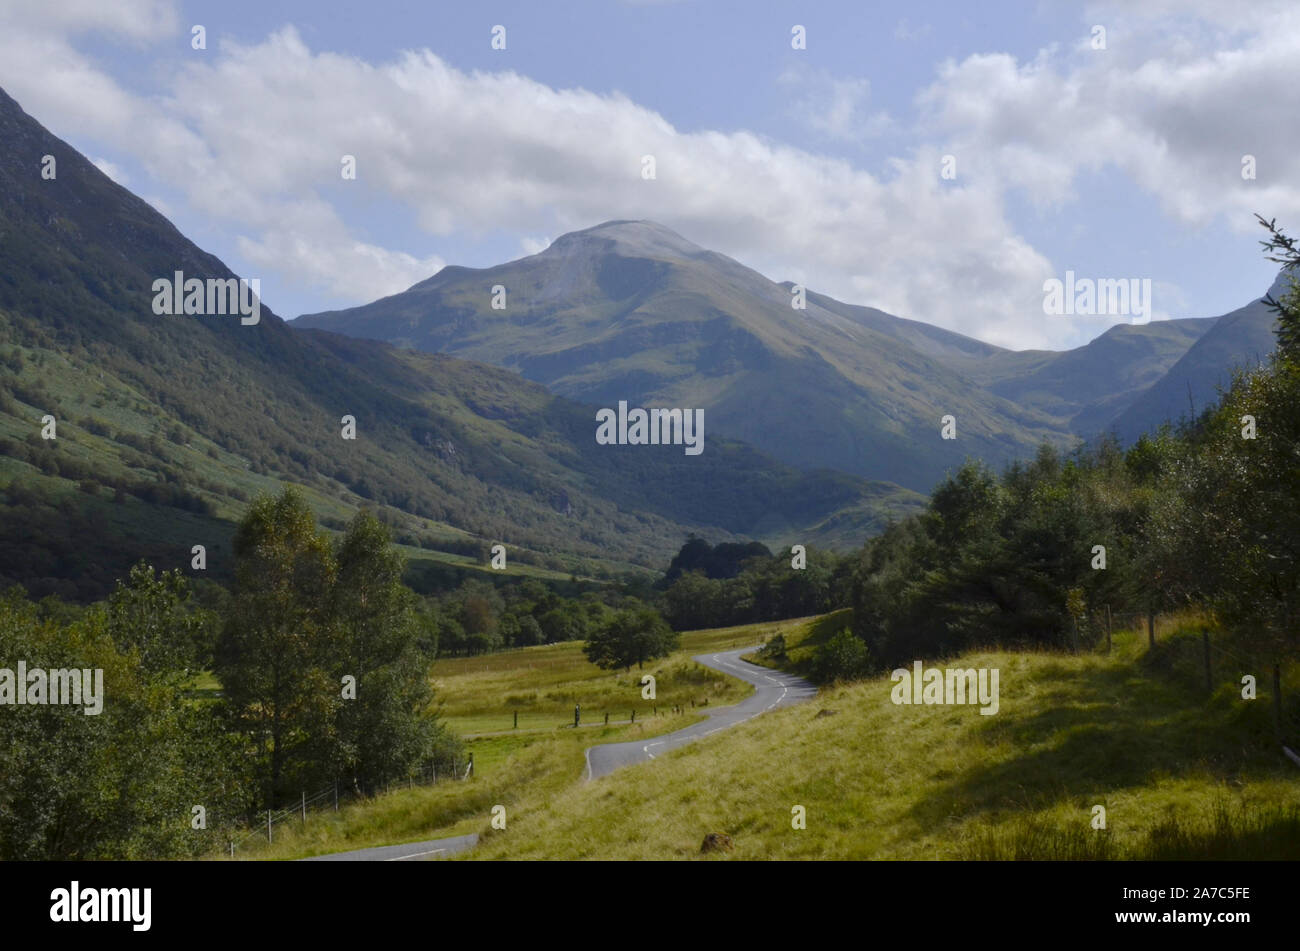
(772, 689)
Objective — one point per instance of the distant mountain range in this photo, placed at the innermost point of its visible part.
(168, 425)
(476, 425)
(631, 310)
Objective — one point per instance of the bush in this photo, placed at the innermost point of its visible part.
(843, 657)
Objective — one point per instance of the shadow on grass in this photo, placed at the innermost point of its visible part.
(1092, 731)
(1228, 834)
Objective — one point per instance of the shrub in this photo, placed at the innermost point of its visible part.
(843, 657)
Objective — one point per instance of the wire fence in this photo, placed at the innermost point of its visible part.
(330, 798)
(1095, 630)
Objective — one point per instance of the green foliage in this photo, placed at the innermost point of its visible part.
(775, 648)
(843, 657)
(120, 784)
(306, 615)
(151, 616)
(632, 636)
(1282, 249)
(707, 589)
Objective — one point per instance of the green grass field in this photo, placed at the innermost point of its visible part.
(542, 684)
(1179, 773)
(478, 695)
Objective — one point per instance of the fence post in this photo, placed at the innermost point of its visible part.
(1277, 700)
(268, 826)
(516, 726)
(1205, 641)
(606, 718)
(1151, 628)
(470, 771)
(336, 795)
(304, 805)
(232, 848)
(1108, 629)
(634, 715)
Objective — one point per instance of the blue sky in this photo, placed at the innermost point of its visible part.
(818, 165)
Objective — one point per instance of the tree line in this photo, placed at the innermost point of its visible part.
(322, 656)
(1206, 513)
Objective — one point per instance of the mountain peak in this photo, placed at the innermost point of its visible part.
(629, 239)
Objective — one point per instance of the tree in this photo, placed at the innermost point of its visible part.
(272, 658)
(150, 615)
(389, 727)
(118, 784)
(633, 636)
(1283, 249)
(843, 657)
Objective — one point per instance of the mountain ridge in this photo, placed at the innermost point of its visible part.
(631, 310)
(168, 425)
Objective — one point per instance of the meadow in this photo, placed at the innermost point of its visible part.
(1179, 773)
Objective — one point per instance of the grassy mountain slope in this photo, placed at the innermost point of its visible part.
(1242, 338)
(167, 425)
(631, 310)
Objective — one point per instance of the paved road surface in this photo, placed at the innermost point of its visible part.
(772, 689)
(412, 851)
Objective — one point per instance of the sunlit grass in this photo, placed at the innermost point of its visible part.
(885, 781)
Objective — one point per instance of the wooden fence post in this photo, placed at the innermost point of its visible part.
(516, 720)
(268, 826)
(304, 805)
(1277, 700)
(1205, 641)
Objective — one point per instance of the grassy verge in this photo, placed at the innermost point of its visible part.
(537, 761)
(1181, 774)
(802, 642)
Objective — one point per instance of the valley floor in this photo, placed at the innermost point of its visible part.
(1178, 774)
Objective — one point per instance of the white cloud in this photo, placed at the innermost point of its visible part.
(832, 106)
(111, 170)
(251, 136)
(131, 19)
(1176, 118)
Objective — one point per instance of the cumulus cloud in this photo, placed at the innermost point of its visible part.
(111, 170)
(252, 136)
(1175, 107)
(835, 107)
